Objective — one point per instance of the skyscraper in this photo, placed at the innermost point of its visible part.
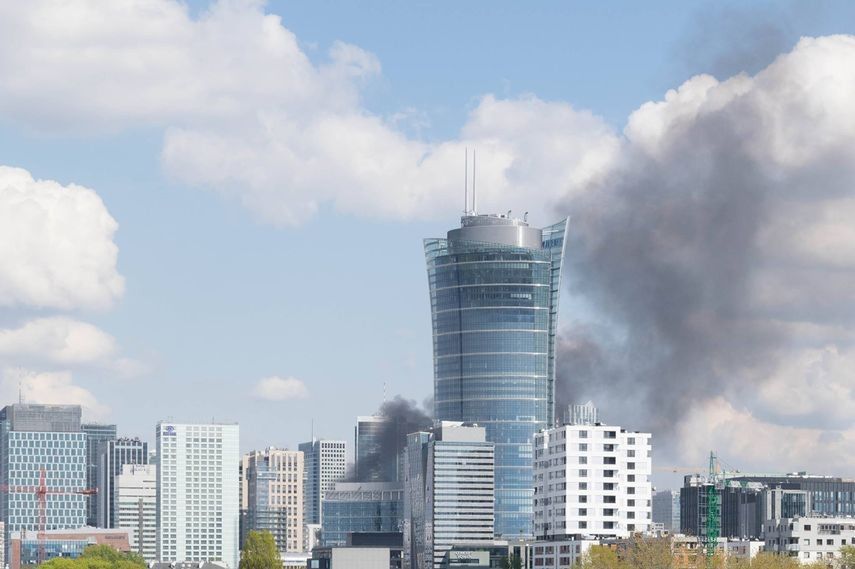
(42, 442)
(274, 493)
(367, 447)
(96, 436)
(113, 457)
(324, 466)
(494, 291)
(197, 492)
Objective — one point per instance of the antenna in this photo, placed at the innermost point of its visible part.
(384, 393)
(466, 181)
(474, 199)
(20, 392)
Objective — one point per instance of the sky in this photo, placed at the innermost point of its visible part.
(216, 210)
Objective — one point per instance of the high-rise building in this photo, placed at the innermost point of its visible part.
(324, 466)
(449, 485)
(198, 492)
(113, 457)
(367, 437)
(361, 507)
(274, 483)
(96, 436)
(666, 510)
(135, 502)
(494, 291)
(591, 480)
(42, 443)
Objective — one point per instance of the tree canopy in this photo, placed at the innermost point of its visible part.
(260, 552)
(98, 557)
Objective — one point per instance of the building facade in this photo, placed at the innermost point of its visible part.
(274, 480)
(25, 545)
(366, 450)
(494, 291)
(449, 492)
(114, 455)
(666, 510)
(325, 464)
(361, 507)
(42, 445)
(810, 539)
(592, 480)
(96, 436)
(135, 502)
(198, 492)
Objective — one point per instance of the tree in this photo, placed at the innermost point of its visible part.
(847, 557)
(260, 552)
(601, 557)
(512, 562)
(649, 553)
(98, 557)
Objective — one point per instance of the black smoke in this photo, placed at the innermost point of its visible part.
(402, 418)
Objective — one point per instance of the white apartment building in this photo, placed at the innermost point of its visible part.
(135, 503)
(809, 538)
(449, 492)
(198, 492)
(591, 480)
(274, 489)
(325, 464)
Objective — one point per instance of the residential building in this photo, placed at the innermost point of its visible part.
(41, 444)
(666, 510)
(494, 288)
(744, 548)
(361, 507)
(114, 455)
(198, 492)
(449, 492)
(367, 437)
(25, 545)
(274, 481)
(810, 538)
(135, 503)
(561, 553)
(96, 436)
(591, 480)
(324, 465)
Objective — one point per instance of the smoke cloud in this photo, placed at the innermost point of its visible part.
(717, 257)
(402, 418)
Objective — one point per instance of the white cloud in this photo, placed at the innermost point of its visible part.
(55, 388)
(280, 389)
(58, 340)
(56, 245)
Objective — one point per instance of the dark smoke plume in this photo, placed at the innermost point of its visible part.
(403, 417)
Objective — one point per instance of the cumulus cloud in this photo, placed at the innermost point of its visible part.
(717, 257)
(280, 389)
(56, 245)
(56, 388)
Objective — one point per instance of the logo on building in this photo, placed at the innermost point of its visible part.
(169, 431)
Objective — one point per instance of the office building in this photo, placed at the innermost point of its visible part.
(274, 481)
(810, 538)
(70, 543)
(325, 465)
(591, 480)
(749, 500)
(562, 553)
(198, 492)
(666, 510)
(449, 492)
(42, 444)
(135, 503)
(494, 291)
(367, 437)
(96, 436)
(361, 507)
(114, 455)
(371, 550)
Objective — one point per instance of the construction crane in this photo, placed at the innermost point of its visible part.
(712, 520)
(41, 491)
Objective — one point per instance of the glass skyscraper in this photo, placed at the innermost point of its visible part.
(494, 290)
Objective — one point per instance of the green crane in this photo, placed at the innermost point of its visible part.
(715, 484)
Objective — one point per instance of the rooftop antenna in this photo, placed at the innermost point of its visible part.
(466, 181)
(313, 429)
(474, 199)
(20, 392)
(384, 393)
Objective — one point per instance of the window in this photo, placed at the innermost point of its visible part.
(583, 447)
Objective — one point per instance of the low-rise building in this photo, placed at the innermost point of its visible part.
(24, 545)
(810, 538)
(368, 550)
(560, 554)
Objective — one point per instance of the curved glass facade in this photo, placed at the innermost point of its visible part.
(494, 309)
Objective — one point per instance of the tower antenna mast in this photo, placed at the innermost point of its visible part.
(466, 181)
(474, 198)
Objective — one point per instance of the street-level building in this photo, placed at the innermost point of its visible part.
(560, 554)
(25, 547)
(810, 538)
(591, 480)
(197, 492)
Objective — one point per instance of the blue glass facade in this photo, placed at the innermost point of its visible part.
(494, 289)
(354, 507)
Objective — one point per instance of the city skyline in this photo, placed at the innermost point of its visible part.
(253, 245)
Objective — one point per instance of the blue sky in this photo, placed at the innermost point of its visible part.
(217, 297)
